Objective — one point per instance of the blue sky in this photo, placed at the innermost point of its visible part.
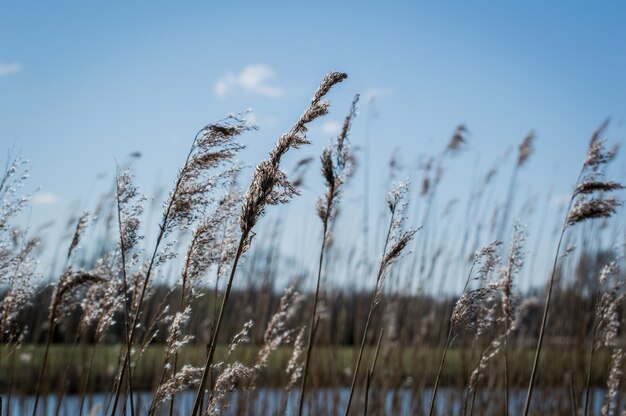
(83, 85)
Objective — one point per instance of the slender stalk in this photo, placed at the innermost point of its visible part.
(588, 381)
(42, 372)
(508, 205)
(269, 186)
(53, 313)
(159, 310)
(175, 366)
(336, 161)
(446, 347)
(506, 366)
(443, 359)
(507, 317)
(370, 371)
(312, 320)
(162, 229)
(367, 322)
(62, 385)
(546, 310)
(591, 353)
(524, 151)
(10, 393)
(473, 400)
(218, 325)
(360, 356)
(310, 346)
(131, 336)
(465, 401)
(596, 158)
(125, 286)
(368, 381)
(366, 185)
(182, 306)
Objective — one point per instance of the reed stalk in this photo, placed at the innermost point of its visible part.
(269, 186)
(336, 166)
(370, 371)
(400, 240)
(590, 180)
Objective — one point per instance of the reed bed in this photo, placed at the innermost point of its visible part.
(207, 316)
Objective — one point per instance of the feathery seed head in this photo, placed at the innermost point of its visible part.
(525, 148)
(337, 162)
(591, 186)
(610, 400)
(458, 139)
(270, 185)
(130, 205)
(396, 197)
(65, 297)
(468, 308)
(597, 154)
(591, 208)
(295, 365)
(213, 147)
(234, 374)
(592, 180)
(80, 229)
(487, 258)
(186, 378)
(242, 337)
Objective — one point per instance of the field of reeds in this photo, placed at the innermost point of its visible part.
(200, 312)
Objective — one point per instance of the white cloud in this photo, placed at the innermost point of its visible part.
(331, 127)
(45, 198)
(253, 78)
(6, 69)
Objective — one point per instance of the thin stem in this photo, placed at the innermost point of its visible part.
(51, 326)
(360, 356)
(126, 360)
(465, 401)
(546, 309)
(125, 286)
(507, 207)
(370, 371)
(62, 385)
(443, 359)
(506, 366)
(507, 310)
(313, 318)
(447, 346)
(182, 306)
(369, 318)
(590, 364)
(368, 381)
(10, 393)
(220, 319)
(42, 372)
(162, 229)
(473, 400)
